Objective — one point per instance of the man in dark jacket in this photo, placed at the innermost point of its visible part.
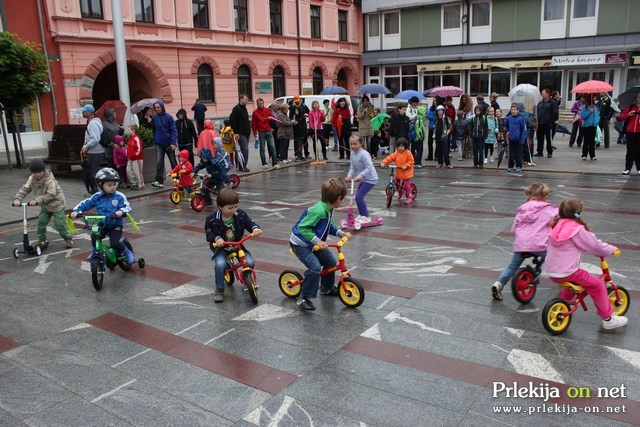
(165, 137)
(298, 111)
(547, 110)
(187, 135)
(240, 124)
(198, 114)
(606, 113)
(399, 126)
(110, 128)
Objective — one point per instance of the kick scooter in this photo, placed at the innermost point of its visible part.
(352, 222)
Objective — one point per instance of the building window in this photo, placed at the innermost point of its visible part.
(244, 81)
(479, 84)
(342, 25)
(399, 78)
(315, 22)
(481, 14)
(391, 23)
(200, 9)
(240, 16)
(374, 25)
(318, 81)
(278, 82)
(554, 10)
(584, 8)
(275, 12)
(530, 77)
(500, 82)
(91, 9)
(451, 79)
(205, 84)
(144, 11)
(451, 18)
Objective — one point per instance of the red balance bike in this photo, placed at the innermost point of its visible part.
(397, 185)
(237, 268)
(556, 314)
(357, 223)
(205, 195)
(350, 291)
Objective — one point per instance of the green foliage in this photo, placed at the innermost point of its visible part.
(23, 72)
(145, 134)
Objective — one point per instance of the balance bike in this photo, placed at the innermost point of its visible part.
(178, 190)
(397, 185)
(350, 291)
(556, 314)
(204, 197)
(237, 268)
(350, 221)
(526, 280)
(27, 248)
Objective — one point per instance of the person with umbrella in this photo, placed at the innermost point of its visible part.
(631, 117)
(365, 128)
(590, 115)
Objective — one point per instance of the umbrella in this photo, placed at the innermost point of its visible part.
(374, 88)
(526, 93)
(377, 121)
(334, 90)
(628, 97)
(408, 94)
(501, 150)
(119, 106)
(562, 129)
(444, 91)
(142, 104)
(592, 86)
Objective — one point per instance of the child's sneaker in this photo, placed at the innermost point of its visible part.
(517, 170)
(305, 303)
(408, 201)
(130, 258)
(68, 244)
(496, 290)
(218, 295)
(614, 322)
(364, 219)
(509, 170)
(42, 243)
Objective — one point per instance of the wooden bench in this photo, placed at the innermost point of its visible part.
(65, 145)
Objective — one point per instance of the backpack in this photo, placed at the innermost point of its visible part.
(412, 132)
(226, 137)
(274, 124)
(109, 132)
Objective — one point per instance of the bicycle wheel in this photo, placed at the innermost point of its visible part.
(555, 317)
(97, 272)
(522, 284)
(229, 277)
(198, 202)
(414, 191)
(122, 259)
(175, 197)
(351, 293)
(251, 286)
(235, 180)
(389, 192)
(290, 283)
(619, 307)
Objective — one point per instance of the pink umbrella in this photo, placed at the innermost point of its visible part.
(592, 86)
(444, 91)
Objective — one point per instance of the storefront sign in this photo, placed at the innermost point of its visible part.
(571, 60)
(616, 58)
(263, 87)
(448, 66)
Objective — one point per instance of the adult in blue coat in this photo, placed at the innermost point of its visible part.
(590, 115)
(165, 136)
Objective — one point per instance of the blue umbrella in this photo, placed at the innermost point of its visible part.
(334, 90)
(408, 94)
(374, 88)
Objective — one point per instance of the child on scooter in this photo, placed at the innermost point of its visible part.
(531, 229)
(570, 236)
(113, 205)
(403, 159)
(361, 170)
(228, 223)
(48, 194)
(312, 229)
(184, 169)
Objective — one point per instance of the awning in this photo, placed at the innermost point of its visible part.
(450, 66)
(533, 63)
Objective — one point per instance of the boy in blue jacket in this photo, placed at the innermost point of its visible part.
(113, 205)
(517, 137)
(312, 229)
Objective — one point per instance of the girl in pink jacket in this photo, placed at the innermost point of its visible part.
(316, 131)
(569, 237)
(531, 229)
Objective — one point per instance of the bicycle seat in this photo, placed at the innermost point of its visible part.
(572, 286)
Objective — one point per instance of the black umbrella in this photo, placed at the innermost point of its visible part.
(628, 97)
(501, 150)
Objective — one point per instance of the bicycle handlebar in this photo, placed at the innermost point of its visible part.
(340, 244)
(617, 252)
(238, 243)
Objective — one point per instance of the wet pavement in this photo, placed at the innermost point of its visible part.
(428, 346)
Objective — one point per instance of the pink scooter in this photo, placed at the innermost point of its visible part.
(351, 221)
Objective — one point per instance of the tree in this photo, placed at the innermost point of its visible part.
(23, 77)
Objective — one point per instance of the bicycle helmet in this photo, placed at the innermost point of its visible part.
(107, 174)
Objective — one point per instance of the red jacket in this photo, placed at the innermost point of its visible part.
(634, 121)
(450, 111)
(260, 120)
(135, 151)
(184, 169)
(344, 112)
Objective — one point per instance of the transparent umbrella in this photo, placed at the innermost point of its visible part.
(526, 93)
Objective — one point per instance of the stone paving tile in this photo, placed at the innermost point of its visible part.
(75, 411)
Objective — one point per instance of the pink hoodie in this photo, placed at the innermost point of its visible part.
(531, 226)
(567, 241)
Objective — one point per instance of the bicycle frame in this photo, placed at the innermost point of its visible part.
(581, 294)
(237, 262)
(100, 247)
(341, 265)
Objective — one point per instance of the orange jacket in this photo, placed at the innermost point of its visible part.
(401, 159)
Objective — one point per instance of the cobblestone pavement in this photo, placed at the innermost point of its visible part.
(428, 346)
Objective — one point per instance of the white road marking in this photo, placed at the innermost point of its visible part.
(191, 327)
(186, 291)
(500, 348)
(632, 357)
(219, 336)
(275, 419)
(533, 364)
(515, 332)
(528, 310)
(131, 358)
(266, 312)
(262, 208)
(109, 393)
(394, 316)
(175, 210)
(78, 326)
(384, 303)
(373, 333)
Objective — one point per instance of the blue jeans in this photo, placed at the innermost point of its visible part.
(267, 137)
(220, 265)
(161, 150)
(315, 261)
(516, 262)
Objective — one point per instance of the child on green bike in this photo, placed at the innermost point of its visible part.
(113, 205)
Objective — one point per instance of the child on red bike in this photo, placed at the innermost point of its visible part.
(227, 224)
(531, 229)
(362, 170)
(403, 159)
(570, 236)
(184, 169)
(312, 229)
(217, 165)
